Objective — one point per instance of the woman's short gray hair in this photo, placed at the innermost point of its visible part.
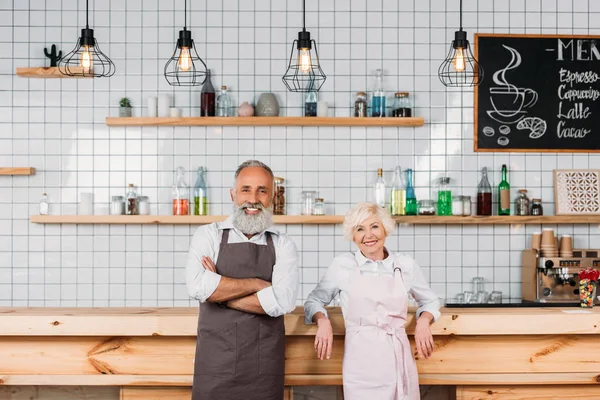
(252, 163)
(363, 211)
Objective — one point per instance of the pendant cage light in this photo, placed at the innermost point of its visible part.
(460, 68)
(304, 73)
(185, 67)
(86, 59)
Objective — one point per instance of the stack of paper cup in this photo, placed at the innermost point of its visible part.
(548, 246)
(536, 240)
(566, 246)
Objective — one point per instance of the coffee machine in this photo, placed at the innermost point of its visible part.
(555, 279)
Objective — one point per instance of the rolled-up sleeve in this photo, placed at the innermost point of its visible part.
(323, 294)
(200, 282)
(280, 297)
(424, 296)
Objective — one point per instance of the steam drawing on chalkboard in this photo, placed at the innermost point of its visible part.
(510, 102)
(537, 126)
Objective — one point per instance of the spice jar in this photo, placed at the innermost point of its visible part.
(132, 208)
(117, 205)
(143, 205)
(426, 207)
(466, 205)
(319, 207)
(308, 202)
(536, 207)
(401, 106)
(457, 205)
(522, 203)
(360, 105)
(279, 199)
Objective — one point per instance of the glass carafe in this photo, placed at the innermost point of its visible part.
(484, 194)
(223, 103)
(398, 194)
(444, 197)
(411, 198)
(200, 193)
(181, 201)
(378, 100)
(379, 189)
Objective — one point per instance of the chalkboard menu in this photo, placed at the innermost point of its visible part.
(540, 93)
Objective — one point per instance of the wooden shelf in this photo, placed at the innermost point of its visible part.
(48, 72)
(265, 121)
(17, 171)
(309, 219)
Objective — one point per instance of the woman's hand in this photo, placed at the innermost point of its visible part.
(324, 337)
(423, 337)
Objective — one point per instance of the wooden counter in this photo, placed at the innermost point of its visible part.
(154, 347)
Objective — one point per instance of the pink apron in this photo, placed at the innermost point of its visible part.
(378, 362)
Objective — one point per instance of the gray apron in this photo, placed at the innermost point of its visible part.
(240, 355)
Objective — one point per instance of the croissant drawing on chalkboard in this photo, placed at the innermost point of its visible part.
(536, 126)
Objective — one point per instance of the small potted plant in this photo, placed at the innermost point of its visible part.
(125, 109)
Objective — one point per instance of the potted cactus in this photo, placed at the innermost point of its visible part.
(125, 107)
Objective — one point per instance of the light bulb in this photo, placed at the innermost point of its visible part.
(304, 63)
(185, 59)
(86, 59)
(459, 60)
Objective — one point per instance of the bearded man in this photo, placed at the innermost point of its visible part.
(245, 275)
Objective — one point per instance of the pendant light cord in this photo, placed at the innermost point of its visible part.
(185, 15)
(87, 14)
(461, 15)
(304, 16)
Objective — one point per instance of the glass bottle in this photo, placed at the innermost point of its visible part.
(181, 201)
(411, 198)
(44, 205)
(223, 103)
(401, 106)
(398, 194)
(522, 203)
(504, 194)
(536, 207)
(207, 98)
(360, 105)
(200, 193)
(279, 198)
(132, 200)
(444, 197)
(484, 194)
(379, 189)
(378, 101)
(310, 103)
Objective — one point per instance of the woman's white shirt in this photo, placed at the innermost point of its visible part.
(338, 279)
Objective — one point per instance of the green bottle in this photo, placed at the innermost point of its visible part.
(200, 200)
(504, 194)
(411, 199)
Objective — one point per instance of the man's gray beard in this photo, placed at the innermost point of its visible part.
(252, 224)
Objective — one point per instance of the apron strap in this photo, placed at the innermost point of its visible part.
(224, 240)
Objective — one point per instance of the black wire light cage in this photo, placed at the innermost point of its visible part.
(86, 59)
(304, 73)
(185, 67)
(460, 68)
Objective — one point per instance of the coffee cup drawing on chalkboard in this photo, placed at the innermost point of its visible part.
(510, 102)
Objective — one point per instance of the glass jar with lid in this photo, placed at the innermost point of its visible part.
(143, 205)
(401, 106)
(279, 196)
(308, 202)
(319, 206)
(360, 105)
(426, 207)
(466, 205)
(117, 205)
(536, 207)
(522, 203)
(457, 205)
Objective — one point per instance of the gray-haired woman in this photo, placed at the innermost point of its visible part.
(373, 286)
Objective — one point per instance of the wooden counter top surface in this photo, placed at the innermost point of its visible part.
(180, 321)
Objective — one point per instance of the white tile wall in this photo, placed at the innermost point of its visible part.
(58, 127)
